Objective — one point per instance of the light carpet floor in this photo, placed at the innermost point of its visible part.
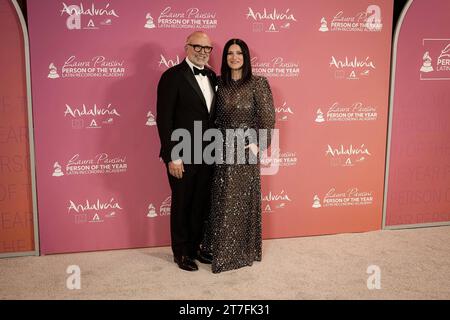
(414, 264)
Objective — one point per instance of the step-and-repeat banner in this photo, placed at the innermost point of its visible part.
(419, 172)
(95, 68)
(16, 210)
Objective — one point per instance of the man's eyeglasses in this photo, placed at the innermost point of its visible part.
(198, 48)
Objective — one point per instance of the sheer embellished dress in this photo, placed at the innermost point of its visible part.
(233, 232)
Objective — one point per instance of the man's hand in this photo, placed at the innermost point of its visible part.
(176, 168)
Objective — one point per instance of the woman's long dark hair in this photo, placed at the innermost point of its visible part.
(246, 67)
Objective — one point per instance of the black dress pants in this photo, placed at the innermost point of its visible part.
(189, 208)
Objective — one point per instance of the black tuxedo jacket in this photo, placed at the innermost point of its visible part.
(180, 102)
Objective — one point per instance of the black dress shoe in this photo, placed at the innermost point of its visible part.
(185, 263)
(204, 257)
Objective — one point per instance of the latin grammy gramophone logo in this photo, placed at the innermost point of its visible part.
(149, 24)
(426, 66)
(319, 117)
(150, 119)
(57, 171)
(53, 74)
(323, 25)
(316, 202)
(436, 60)
(164, 209)
(151, 211)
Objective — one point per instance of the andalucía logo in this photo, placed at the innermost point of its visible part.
(285, 112)
(166, 63)
(271, 20)
(88, 17)
(273, 202)
(94, 211)
(353, 68)
(347, 156)
(91, 116)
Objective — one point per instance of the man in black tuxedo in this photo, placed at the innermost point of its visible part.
(186, 94)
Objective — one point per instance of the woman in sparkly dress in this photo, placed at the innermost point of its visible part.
(244, 102)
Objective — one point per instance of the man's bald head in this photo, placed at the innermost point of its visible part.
(198, 38)
(197, 35)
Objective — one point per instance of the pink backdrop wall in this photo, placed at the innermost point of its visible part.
(419, 173)
(100, 182)
(16, 212)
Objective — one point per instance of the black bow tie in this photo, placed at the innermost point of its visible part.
(199, 71)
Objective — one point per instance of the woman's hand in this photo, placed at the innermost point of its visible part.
(254, 148)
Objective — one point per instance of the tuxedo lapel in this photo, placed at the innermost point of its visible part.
(213, 82)
(189, 75)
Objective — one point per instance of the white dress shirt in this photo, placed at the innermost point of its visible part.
(207, 90)
(204, 84)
